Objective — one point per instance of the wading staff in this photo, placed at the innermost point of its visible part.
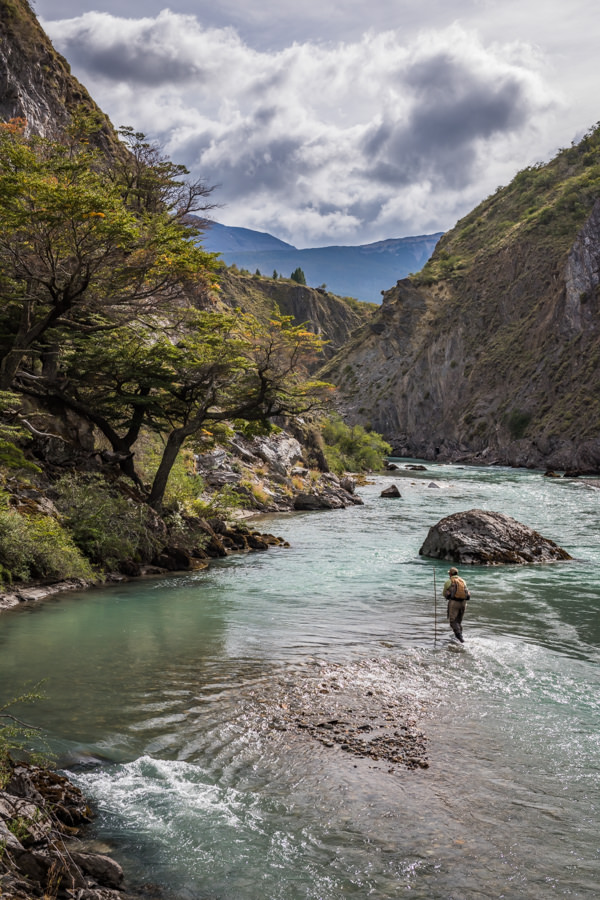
(434, 609)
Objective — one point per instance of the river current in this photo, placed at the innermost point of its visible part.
(161, 697)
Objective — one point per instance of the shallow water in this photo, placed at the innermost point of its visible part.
(174, 685)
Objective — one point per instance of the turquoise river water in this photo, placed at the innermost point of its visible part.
(166, 688)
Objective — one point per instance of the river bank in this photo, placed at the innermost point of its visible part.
(43, 817)
(224, 539)
(212, 708)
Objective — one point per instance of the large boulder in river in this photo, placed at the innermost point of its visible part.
(485, 538)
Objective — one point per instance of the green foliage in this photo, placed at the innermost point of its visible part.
(548, 202)
(223, 504)
(11, 456)
(106, 525)
(82, 235)
(275, 274)
(184, 486)
(517, 422)
(16, 736)
(95, 254)
(352, 449)
(298, 276)
(37, 547)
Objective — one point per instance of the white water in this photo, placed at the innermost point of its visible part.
(175, 683)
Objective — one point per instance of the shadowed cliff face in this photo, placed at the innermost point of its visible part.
(492, 353)
(36, 82)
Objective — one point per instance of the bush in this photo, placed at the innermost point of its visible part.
(17, 736)
(353, 449)
(517, 422)
(107, 526)
(184, 487)
(33, 547)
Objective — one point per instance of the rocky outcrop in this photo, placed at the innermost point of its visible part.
(492, 353)
(481, 537)
(333, 318)
(36, 82)
(41, 816)
(268, 475)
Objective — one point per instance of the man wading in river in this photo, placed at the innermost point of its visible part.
(456, 593)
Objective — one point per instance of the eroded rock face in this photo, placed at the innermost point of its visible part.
(485, 538)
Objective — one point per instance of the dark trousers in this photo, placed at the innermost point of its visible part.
(456, 611)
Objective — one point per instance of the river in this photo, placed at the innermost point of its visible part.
(167, 693)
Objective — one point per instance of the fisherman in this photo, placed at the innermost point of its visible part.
(456, 593)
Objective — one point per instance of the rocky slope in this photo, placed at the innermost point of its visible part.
(333, 318)
(492, 352)
(35, 81)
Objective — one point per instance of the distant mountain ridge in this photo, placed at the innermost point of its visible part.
(362, 271)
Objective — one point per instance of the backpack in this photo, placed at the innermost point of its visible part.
(460, 588)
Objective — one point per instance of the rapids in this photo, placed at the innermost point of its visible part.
(163, 697)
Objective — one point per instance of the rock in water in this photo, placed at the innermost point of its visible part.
(485, 538)
(391, 491)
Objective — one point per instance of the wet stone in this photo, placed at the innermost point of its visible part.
(372, 728)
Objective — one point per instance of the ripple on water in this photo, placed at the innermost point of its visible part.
(183, 683)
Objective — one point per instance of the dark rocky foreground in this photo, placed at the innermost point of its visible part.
(41, 818)
(485, 538)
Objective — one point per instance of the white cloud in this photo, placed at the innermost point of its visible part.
(344, 142)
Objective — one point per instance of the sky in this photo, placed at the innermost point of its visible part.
(345, 122)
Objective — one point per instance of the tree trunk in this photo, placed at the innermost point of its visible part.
(172, 448)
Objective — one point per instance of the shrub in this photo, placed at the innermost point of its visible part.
(107, 526)
(354, 448)
(16, 737)
(34, 547)
(517, 423)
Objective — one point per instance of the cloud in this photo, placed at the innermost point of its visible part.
(321, 143)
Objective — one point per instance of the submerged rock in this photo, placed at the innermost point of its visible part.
(485, 538)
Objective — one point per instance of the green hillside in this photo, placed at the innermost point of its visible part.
(548, 203)
(492, 352)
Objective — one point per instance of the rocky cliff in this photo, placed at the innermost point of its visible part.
(333, 318)
(492, 352)
(35, 81)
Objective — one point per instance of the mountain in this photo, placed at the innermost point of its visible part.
(225, 239)
(36, 82)
(362, 272)
(492, 352)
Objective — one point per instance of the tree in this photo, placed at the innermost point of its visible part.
(206, 368)
(251, 372)
(298, 276)
(97, 270)
(275, 274)
(85, 245)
